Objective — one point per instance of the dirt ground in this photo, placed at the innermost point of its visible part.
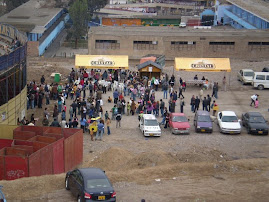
(195, 167)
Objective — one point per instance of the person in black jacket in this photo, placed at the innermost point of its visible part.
(205, 104)
(197, 104)
(55, 123)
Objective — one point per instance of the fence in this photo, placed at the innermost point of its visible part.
(36, 151)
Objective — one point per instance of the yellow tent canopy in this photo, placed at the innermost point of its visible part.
(102, 61)
(203, 64)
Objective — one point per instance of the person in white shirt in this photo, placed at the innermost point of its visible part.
(253, 99)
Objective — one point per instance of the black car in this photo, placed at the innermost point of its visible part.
(89, 184)
(255, 123)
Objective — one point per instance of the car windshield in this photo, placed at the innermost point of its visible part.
(179, 119)
(149, 122)
(248, 73)
(97, 183)
(204, 119)
(257, 119)
(229, 119)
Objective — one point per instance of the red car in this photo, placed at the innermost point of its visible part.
(179, 123)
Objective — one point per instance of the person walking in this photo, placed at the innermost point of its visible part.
(180, 91)
(133, 107)
(201, 93)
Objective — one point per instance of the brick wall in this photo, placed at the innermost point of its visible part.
(32, 48)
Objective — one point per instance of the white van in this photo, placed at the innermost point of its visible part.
(245, 76)
(149, 125)
(261, 80)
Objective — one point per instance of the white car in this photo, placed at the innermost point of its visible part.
(149, 125)
(182, 25)
(245, 76)
(228, 122)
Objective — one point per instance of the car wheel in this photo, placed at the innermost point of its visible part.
(260, 87)
(79, 199)
(67, 184)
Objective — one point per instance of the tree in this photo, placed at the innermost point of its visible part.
(95, 5)
(11, 4)
(79, 15)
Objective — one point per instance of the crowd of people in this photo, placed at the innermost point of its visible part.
(130, 95)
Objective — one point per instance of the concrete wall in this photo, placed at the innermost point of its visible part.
(14, 109)
(201, 48)
(32, 48)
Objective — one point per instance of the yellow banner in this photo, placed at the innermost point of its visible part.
(203, 64)
(102, 61)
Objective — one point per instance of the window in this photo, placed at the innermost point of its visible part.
(261, 46)
(183, 45)
(260, 77)
(107, 44)
(267, 77)
(224, 46)
(145, 45)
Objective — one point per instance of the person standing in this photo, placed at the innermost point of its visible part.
(165, 89)
(208, 102)
(215, 107)
(118, 120)
(133, 107)
(166, 120)
(224, 83)
(205, 104)
(108, 122)
(201, 93)
(162, 105)
(193, 104)
(91, 133)
(181, 103)
(197, 104)
(116, 96)
(100, 130)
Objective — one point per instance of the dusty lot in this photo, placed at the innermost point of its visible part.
(195, 167)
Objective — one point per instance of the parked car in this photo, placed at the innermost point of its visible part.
(228, 122)
(90, 184)
(261, 80)
(255, 123)
(2, 196)
(182, 25)
(245, 76)
(202, 122)
(149, 125)
(179, 123)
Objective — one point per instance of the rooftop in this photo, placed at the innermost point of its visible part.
(30, 15)
(259, 8)
(175, 31)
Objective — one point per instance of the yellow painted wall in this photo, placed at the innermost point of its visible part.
(15, 108)
(6, 131)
